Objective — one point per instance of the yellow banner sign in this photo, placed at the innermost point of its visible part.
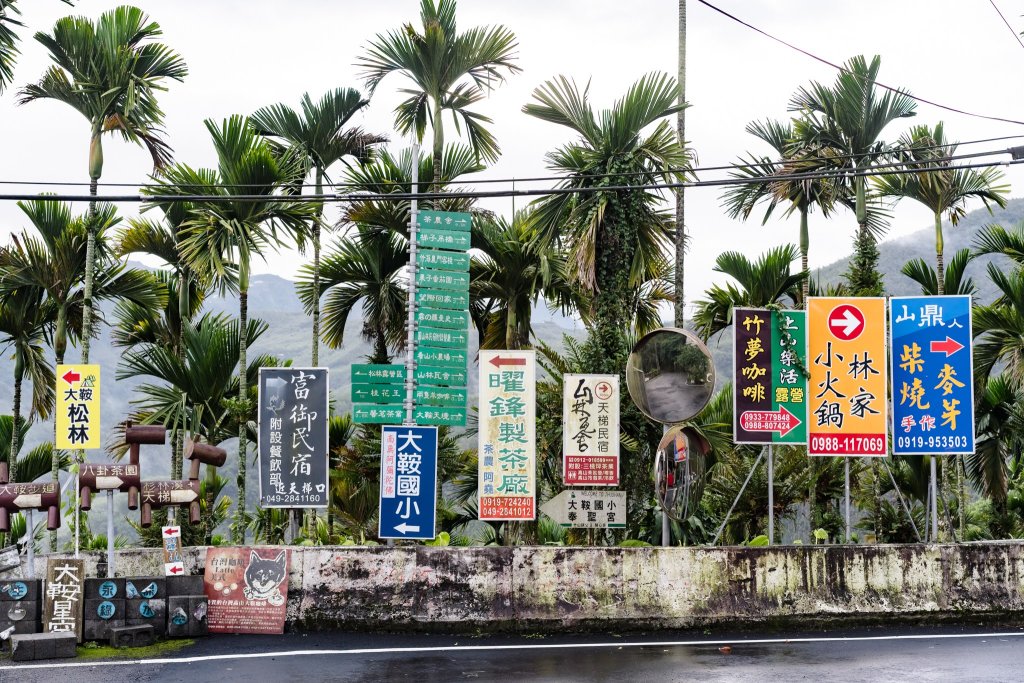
(78, 407)
(846, 360)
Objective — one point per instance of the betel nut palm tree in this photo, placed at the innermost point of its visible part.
(109, 71)
(322, 136)
(449, 71)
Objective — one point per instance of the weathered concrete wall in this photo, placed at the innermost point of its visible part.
(547, 588)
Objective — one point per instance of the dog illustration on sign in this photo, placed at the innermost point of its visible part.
(263, 578)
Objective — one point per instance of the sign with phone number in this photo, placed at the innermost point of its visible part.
(861, 444)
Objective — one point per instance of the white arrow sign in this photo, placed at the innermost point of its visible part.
(183, 496)
(29, 500)
(105, 483)
(404, 528)
(848, 322)
(588, 509)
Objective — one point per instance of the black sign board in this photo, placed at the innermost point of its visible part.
(293, 420)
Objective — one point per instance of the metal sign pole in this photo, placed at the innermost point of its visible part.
(771, 497)
(846, 486)
(935, 504)
(666, 523)
(31, 540)
(110, 533)
(410, 344)
(78, 513)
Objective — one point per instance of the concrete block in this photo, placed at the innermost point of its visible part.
(179, 616)
(100, 589)
(145, 587)
(150, 610)
(198, 624)
(185, 585)
(159, 625)
(97, 629)
(131, 636)
(36, 646)
(21, 627)
(19, 590)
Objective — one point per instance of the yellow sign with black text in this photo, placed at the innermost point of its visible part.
(78, 407)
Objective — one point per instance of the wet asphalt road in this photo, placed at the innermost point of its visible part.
(941, 654)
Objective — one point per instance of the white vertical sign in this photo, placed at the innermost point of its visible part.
(508, 443)
(590, 430)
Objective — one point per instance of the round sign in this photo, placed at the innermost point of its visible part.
(179, 618)
(108, 589)
(17, 613)
(150, 590)
(105, 610)
(17, 590)
(670, 375)
(603, 390)
(130, 590)
(146, 610)
(846, 322)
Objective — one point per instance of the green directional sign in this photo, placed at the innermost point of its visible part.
(449, 377)
(443, 239)
(434, 415)
(442, 260)
(441, 396)
(449, 339)
(445, 358)
(448, 300)
(445, 220)
(436, 317)
(442, 279)
(378, 374)
(371, 414)
(378, 393)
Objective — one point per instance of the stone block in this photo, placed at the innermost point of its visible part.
(198, 624)
(145, 587)
(21, 627)
(99, 609)
(97, 629)
(159, 625)
(99, 589)
(179, 616)
(185, 585)
(20, 611)
(36, 646)
(149, 610)
(19, 590)
(131, 636)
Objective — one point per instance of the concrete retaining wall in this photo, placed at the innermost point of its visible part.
(548, 588)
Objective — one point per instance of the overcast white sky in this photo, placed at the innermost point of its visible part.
(243, 54)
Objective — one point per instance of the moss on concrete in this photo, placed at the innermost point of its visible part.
(157, 649)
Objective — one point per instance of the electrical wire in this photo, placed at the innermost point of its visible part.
(1000, 13)
(405, 196)
(843, 69)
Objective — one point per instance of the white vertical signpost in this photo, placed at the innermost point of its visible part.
(507, 432)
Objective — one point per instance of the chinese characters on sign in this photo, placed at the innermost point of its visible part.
(408, 482)
(78, 406)
(846, 353)
(770, 394)
(62, 612)
(588, 509)
(247, 589)
(932, 369)
(293, 437)
(507, 453)
(173, 561)
(590, 430)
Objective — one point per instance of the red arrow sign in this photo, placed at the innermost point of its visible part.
(781, 421)
(846, 322)
(170, 531)
(498, 361)
(175, 570)
(71, 377)
(949, 346)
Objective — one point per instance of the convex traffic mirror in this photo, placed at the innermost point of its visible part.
(679, 468)
(670, 375)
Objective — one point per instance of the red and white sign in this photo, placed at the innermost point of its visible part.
(173, 565)
(590, 430)
(781, 421)
(846, 322)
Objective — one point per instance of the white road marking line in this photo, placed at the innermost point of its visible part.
(493, 648)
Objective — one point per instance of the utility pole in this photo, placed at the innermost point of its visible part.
(680, 316)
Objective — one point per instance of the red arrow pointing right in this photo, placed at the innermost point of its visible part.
(498, 361)
(71, 377)
(949, 346)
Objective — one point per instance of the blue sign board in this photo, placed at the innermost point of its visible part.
(932, 378)
(408, 482)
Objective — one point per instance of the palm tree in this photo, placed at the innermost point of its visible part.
(766, 281)
(449, 71)
(109, 71)
(610, 235)
(24, 321)
(319, 135)
(940, 185)
(223, 235)
(954, 277)
(793, 195)
(516, 268)
(849, 118)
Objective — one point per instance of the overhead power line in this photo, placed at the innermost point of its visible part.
(493, 194)
(843, 69)
(1000, 13)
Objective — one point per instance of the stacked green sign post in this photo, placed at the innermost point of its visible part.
(441, 338)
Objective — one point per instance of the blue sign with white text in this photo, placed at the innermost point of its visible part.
(932, 387)
(408, 482)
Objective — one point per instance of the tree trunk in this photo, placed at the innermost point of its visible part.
(60, 345)
(243, 391)
(680, 307)
(438, 147)
(19, 375)
(940, 289)
(316, 269)
(805, 244)
(95, 171)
